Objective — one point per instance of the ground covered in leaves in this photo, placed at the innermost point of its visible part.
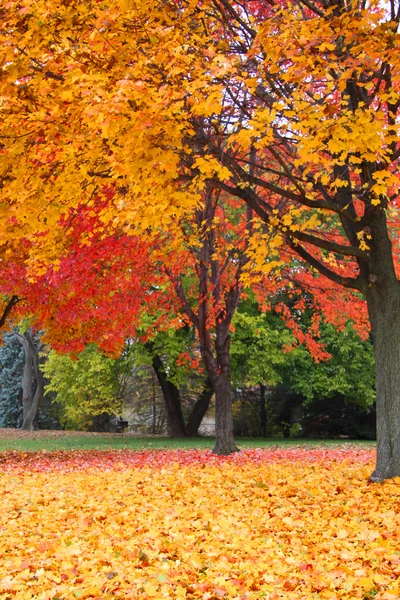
(290, 523)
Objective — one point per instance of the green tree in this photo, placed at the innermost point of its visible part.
(11, 369)
(175, 359)
(275, 377)
(86, 387)
(350, 372)
(257, 354)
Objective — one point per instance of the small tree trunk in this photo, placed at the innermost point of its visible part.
(200, 409)
(154, 408)
(263, 412)
(172, 400)
(220, 374)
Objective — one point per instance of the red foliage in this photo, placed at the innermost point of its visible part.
(69, 461)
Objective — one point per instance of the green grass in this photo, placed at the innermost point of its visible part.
(120, 442)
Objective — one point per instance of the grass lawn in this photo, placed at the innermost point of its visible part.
(69, 440)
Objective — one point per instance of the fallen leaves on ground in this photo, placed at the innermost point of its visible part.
(289, 523)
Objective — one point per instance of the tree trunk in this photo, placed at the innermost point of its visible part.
(200, 409)
(384, 311)
(263, 412)
(221, 379)
(224, 442)
(6, 308)
(28, 415)
(32, 381)
(172, 400)
(154, 408)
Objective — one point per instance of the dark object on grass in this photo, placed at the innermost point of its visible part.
(120, 425)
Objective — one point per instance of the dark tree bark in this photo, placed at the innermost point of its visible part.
(199, 409)
(154, 408)
(383, 300)
(6, 308)
(224, 442)
(263, 412)
(384, 310)
(32, 380)
(172, 400)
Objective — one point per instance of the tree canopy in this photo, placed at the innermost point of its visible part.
(290, 106)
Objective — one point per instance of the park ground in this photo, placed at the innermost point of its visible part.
(156, 518)
(16, 439)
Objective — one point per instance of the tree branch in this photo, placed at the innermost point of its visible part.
(299, 198)
(327, 245)
(182, 297)
(9, 305)
(353, 283)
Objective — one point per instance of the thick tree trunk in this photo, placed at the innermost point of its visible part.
(28, 413)
(384, 311)
(172, 400)
(200, 409)
(224, 442)
(32, 381)
(383, 300)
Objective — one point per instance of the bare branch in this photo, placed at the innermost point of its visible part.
(352, 283)
(312, 7)
(330, 246)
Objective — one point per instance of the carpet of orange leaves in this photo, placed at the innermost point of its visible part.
(294, 523)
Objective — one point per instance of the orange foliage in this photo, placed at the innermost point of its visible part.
(188, 524)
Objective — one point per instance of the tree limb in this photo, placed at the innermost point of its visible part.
(9, 305)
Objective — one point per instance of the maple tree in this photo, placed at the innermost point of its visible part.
(211, 257)
(213, 250)
(320, 110)
(107, 288)
(290, 106)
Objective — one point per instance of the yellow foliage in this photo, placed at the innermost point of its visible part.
(147, 98)
(265, 524)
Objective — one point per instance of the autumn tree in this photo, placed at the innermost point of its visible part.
(291, 107)
(107, 288)
(321, 109)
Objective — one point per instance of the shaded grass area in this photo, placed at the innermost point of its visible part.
(122, 442)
